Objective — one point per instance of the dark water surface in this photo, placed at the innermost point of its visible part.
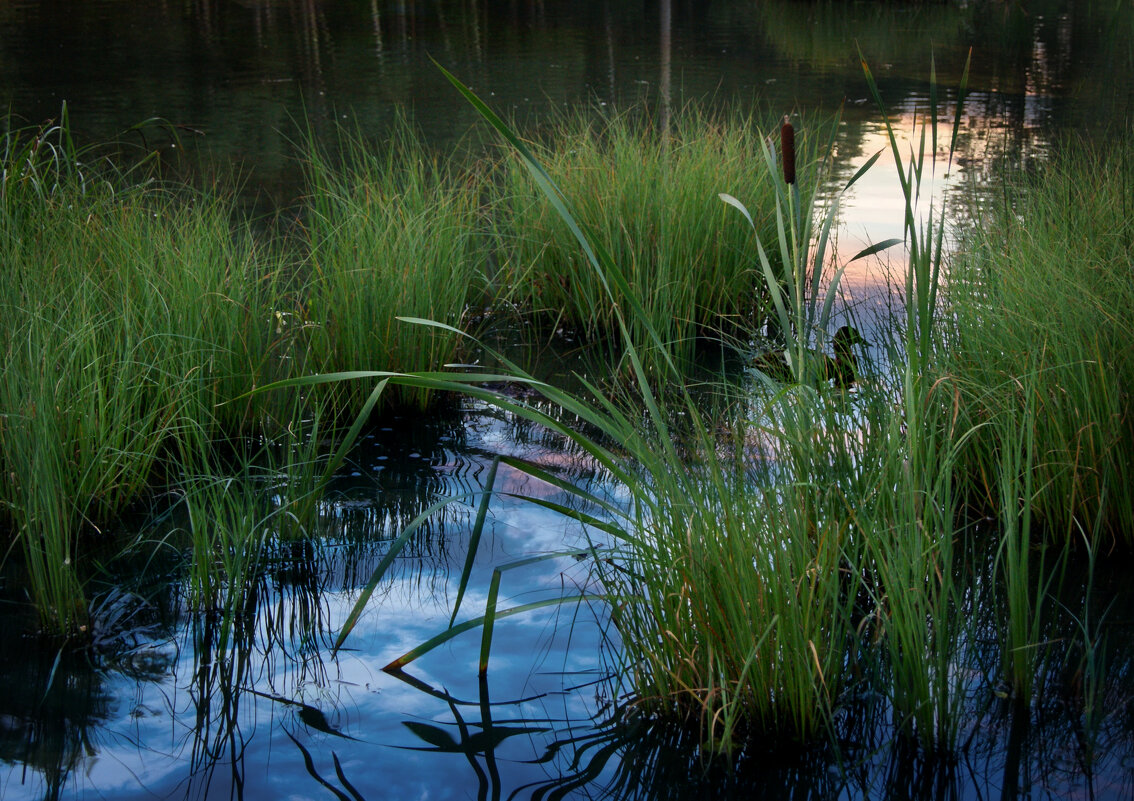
(171, 706)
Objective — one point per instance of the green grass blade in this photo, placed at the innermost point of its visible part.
(862, 170)
(474, 537)
(489, 620)
(877, 247)
(395, 548)
(450, 633)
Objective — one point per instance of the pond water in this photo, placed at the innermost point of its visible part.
(167, 705)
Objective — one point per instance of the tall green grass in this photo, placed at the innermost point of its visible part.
(128, 315)
(1041, 335)
(918, 558)
(391, 231)
(651, 201)
(229, 532)
(732, 583)
(761, 583)
(765, 568)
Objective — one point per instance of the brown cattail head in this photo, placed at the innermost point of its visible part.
(787, 148)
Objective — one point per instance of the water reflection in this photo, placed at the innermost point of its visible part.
(243, 73)
(50, 715)
(174, 704)
(253, 706)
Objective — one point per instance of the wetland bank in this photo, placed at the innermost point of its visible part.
(567, 564)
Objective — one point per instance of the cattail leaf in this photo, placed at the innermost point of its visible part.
(877, 247)
(862, 170)
(730, 200)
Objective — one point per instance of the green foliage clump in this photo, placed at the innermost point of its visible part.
(392, 232)
(1040, 338)
(651, 201)
(128, 315)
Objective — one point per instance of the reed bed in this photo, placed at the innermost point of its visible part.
(745, 580)
(391, 231)
(815, 563)
(130, 314)
(1040, 337)
(741, 590)
(804, 557)
(649, 199)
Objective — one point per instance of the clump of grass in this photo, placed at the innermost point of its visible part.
(737, 603)
(1041, 336)
(228, 530)
(651, 201)
(128, 315)
(918, 563)
(732, 588)
(392, 232)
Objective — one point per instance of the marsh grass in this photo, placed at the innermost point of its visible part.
(392, 230)
(129, 313)
(1041, 335)
(861, 521)
(918, 558)
(228, 529)
(766, 563)
(744, 585)
(651, 201)
(732, 584)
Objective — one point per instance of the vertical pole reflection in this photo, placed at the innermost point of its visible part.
(609, 30)
(376, 21)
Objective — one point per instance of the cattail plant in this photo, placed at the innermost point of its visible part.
(787, 148)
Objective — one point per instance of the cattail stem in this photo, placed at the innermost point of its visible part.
(787, 147)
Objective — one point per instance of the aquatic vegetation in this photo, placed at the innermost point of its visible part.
(1040, 340)
(391, 231)
(760, 586)
(230, 531)
(129, 314)
(648, 197)
(794, 273)
(721, 618)
(773, 563)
